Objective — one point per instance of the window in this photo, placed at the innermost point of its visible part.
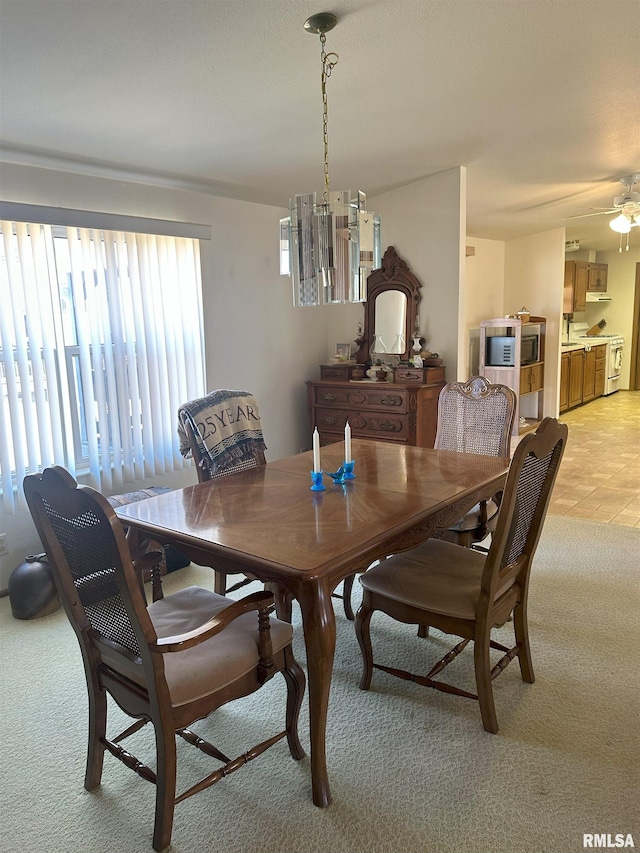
(100, 341)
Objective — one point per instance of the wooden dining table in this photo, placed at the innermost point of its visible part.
(267, 522)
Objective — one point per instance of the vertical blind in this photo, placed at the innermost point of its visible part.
(101, 340)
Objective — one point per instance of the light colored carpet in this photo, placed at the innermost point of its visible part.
(411, 769)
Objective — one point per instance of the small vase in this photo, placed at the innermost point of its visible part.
(382, 375)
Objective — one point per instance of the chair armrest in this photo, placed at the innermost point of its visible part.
(150, 562)
(262, 601)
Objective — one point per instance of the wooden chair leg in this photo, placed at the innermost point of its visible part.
(347, 587)
(483, 684)
(363, 620)
(521, 630)
(165, 786)
(423, 631)
(219, 582)
(294, 676)
(97, 731)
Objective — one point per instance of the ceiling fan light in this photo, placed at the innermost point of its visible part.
(621, 224)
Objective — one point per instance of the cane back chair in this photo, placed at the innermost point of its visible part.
(172, 662)
(463, 592)
(475, 417)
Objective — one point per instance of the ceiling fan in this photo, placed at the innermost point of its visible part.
(627, 206)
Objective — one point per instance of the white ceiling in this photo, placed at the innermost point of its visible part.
(539, 99)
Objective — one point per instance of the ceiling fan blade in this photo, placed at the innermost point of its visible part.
(582, 215)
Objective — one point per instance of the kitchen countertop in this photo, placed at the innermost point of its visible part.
(574, 345)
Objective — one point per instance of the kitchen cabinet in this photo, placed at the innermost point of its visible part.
(565, 370)
(589, 376)
(582, 376)
(595, 362)
(576, 377)
(527, 380)
(405, 412)
(576, 281)
(531, 378)
(598, 274)
(600, 369)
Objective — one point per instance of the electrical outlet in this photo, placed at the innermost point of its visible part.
(4, 548)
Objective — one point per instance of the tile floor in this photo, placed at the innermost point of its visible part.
(599, 478)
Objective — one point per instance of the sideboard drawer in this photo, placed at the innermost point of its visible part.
(373, 397)
(364, 424)
(336, 371)
(426, 375)
(384, 411)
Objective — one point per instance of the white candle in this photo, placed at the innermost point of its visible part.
(347, 443)
(316, 450)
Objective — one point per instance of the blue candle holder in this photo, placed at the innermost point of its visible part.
(348, 470)
(337, 476)
(316, 481)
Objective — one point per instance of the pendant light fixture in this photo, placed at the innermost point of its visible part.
(328, 247)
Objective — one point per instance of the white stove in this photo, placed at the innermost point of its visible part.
(615, 350)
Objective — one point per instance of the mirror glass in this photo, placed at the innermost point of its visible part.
(393, 293)
(390, 323)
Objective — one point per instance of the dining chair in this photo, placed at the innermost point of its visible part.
(475, 417)
(464, 592)
(171, 662)
(222, 433)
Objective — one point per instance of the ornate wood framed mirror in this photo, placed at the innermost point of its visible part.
(390, 312)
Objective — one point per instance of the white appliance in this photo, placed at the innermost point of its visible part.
(615, 351)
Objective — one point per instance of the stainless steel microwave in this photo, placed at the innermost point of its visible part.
(501, 351)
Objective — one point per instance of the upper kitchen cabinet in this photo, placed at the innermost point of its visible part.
(597, 278)
(580, 278)
(576, 282)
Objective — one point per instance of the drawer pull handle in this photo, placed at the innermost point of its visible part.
(391, 401)
(329, 421)
(328, 397)
(387, 426)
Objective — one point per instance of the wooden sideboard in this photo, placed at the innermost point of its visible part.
(406, 412)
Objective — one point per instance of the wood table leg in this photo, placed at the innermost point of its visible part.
(319, 624)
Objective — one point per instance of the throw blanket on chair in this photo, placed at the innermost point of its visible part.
(227, 424)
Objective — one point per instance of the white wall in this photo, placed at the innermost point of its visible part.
(534, 278)
(255, 338)
(425, 222)
(342, 325)
(484, 293)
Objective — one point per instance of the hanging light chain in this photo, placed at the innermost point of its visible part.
(329, 61)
